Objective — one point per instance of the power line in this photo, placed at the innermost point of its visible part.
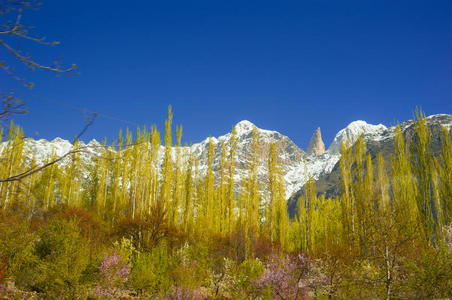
(82, 109)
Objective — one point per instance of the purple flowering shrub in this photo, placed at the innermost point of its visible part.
(3, 276)
(182, 293)
(115, 273)
(285, 277)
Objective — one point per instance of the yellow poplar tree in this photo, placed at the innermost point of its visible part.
(231, 205)
(210, 203)
(251, 210)
(167, 168)
(178, 178)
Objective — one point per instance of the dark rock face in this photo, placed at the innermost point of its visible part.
(329, 184)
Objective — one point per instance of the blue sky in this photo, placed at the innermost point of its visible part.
(290, 66)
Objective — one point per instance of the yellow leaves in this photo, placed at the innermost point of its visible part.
(127, 183)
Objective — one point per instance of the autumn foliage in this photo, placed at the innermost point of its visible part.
(132, 225)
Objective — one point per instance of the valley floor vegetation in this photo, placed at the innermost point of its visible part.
(127, 225)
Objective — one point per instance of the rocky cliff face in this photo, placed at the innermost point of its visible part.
(316, 145)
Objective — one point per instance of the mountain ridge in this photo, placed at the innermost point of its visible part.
(296, 164)
(383, 143)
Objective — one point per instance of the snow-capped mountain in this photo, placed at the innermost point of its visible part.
(320, 165)
(296, 164)
(379, 139)
(352, 131)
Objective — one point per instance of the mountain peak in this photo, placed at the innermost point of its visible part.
(244, 127)
(316, 145)
(244, 123)
(360, 125)
(351, 133)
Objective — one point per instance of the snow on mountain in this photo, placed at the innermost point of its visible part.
(43, 150)
(318, 165)
(351, 133)
(296, 164)
(244, 127)
(288, 153)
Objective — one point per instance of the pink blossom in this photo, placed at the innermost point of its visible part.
(286, 276)
(181, 293)
(115, 272)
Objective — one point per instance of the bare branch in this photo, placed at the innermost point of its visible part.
(18, 30)
(89, 121)
(35, 170)
(83, 149)
(34, 39)
(9, 6)
(12, 11)
(8, 71)
(33, 64)
(11, 105)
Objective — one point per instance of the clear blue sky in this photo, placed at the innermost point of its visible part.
(290, 66)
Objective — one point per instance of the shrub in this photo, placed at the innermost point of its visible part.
(115, 273)
(62, 258)
(151, 271)
(240, 278)
(430, 274)
(17, 248)
(182, 293)
(2, 276)
(142, 277)
(285, 277)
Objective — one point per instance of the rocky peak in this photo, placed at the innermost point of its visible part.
(316, 145)
(295, 169)
(244, 127)
(350, 134)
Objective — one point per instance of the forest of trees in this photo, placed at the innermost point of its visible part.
(130, 225)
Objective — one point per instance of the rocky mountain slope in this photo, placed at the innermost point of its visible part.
(296, 164)
(382, 142)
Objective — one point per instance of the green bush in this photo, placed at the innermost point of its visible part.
(151, 271)
(63, 257)
(430, 274)
(17, 249)
(142, 277)
(240, 278)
